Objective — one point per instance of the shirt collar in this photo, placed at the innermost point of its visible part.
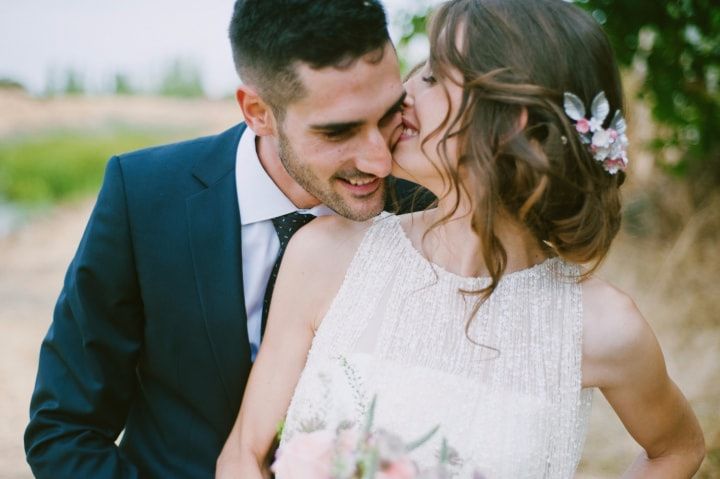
(258, 196)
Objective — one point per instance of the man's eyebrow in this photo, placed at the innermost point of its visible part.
(345, 125)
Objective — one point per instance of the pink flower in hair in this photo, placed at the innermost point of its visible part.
(614, 165)
(582, 125)
(608, 146)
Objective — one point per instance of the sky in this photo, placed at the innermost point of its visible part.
(40, 40)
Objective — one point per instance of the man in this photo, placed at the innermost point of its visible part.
(161, 313)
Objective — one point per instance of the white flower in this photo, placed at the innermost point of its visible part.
(601, 154)
(595, 124)
(608, 146)
(602, 139)
(617, 150)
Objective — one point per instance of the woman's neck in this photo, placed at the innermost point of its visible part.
(455, 246)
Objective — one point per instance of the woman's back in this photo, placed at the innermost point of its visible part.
(509, 401)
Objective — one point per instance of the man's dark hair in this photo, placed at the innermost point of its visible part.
(269, 38)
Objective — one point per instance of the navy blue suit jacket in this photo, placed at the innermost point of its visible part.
(149, 333)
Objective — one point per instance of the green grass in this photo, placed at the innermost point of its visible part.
(62, 166)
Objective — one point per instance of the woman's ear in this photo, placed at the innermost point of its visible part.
(522, 119)
(521, 122)
(257, 113)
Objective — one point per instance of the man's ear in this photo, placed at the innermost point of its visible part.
(257, 114)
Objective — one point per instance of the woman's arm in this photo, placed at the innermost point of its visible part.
(311, 273)
(622, 357)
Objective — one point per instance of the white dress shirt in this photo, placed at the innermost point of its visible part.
(259, 200)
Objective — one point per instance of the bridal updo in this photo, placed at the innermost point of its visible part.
(520, 155)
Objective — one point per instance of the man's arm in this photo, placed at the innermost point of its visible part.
(86, 376)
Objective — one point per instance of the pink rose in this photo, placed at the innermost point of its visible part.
(305, 456)
(347, 440)
(582, 125)
(346, 452)
(403, 468)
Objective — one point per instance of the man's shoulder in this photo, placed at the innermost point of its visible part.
(182, 153)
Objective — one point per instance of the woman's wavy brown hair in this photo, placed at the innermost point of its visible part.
(517, 56)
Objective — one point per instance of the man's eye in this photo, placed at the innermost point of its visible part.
(336, 134)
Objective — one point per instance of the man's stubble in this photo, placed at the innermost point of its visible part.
(310, 182)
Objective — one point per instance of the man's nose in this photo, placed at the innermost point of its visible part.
(375, 158)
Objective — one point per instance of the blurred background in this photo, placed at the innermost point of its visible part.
(81, 80)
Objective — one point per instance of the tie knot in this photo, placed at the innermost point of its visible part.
(287, 225)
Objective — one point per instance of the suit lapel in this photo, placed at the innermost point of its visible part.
(215, 240)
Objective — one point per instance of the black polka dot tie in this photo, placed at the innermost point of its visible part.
(285, 227)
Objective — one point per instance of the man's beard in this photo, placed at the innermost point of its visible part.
(305, 177)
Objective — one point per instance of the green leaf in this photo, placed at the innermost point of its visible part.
(422, 439)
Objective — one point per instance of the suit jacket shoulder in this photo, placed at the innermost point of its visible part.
(208, 157)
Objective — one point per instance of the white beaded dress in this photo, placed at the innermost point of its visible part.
(509, 402)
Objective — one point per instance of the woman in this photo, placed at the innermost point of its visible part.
(475, 315)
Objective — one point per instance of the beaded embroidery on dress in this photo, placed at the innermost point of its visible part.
(511, 404)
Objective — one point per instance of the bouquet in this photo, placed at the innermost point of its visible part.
(352, 453)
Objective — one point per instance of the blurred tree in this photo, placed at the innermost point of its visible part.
(675, 46)
(413, 25)
(11, 84)
(182, 79)
(122, 85)
(52, 83)
(73, 84)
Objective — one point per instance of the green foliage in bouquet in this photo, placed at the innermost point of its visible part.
(374, 453)
(352, 452)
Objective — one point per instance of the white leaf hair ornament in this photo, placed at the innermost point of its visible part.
(607, 145)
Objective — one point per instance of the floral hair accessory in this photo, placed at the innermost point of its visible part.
(607, 145)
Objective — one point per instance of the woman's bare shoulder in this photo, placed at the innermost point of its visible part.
(618, 342)
(329, 235)
(316, 262)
